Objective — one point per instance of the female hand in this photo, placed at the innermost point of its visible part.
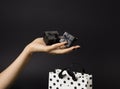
(38, 45)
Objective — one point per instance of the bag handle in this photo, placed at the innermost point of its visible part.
(69, 72)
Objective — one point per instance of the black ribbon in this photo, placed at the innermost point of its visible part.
(69, 72)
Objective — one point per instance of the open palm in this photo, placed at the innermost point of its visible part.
(38, 45)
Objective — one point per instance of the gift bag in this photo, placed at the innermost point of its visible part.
(67, 79)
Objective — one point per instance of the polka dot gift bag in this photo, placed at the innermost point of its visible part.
(66, 79)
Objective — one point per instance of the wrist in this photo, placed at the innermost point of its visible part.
(28, 50)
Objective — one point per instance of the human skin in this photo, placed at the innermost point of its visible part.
(8, 76)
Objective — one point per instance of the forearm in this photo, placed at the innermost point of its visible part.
(11, 72)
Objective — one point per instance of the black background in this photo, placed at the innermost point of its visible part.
(94, 22)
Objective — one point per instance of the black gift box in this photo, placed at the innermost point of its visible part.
(51, 37)
(68, 38)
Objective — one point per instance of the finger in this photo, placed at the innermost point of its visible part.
(67, 50)
(55, 46)
(76, 47)
(62, 47)
(63, 51)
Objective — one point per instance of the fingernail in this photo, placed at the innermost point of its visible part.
(74, 49)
